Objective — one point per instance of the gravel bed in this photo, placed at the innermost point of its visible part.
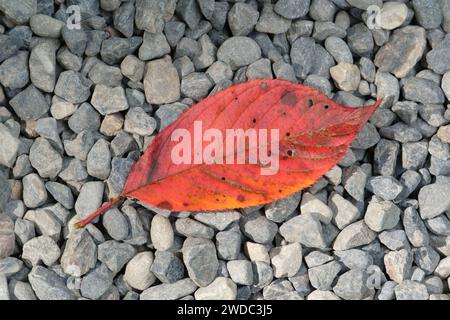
(79, 106)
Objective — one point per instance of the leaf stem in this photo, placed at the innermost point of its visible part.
(97, 213)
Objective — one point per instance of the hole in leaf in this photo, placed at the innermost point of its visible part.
(290, 153)
(223, 178)
(326, 106)
(309, 103)
(254, 120)
(288, 134)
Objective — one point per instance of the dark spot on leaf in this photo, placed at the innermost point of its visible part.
(280, 190)
(309, 103)
(288, 134)
(290, 153)
(165, 205)
(217, 200)
(185, 204)
(241, 198)
(223, 178)
(285, 157)
(326, 106)
(289, 98)
(263, 85)
(254, 120)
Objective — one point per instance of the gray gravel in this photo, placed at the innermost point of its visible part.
(78, 107)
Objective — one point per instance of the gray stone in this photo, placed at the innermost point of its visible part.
(438, 59)
(80, 146)
(10, 46)
(258, 228)
(189, 12)
(359, 39)
(241, 271)
(109, 76)
(427, 13)
(218, 220)
(132, 68)
(323, 276)
(75, 39)
(423, 91)
(415, 228)
(7, 236)
(387, 188)
(411, 290)
(196, 85)
(161, 233)
(432, 201)
(45, 159)
(401, 132)
(322, 10)
(228, 244)
(242, 18)
(385, 157)
(73, 87)
(238, 52)
(169, 291)
(364, 4)
(381, 215)
(24, 230)
(45, 222)
(402, 52)
(220, 289)
(9, 147)
(115, 254)
(286, 260)
(114, 49)
(14, 73)
(84, 118)
(354, 182)
(305, 229)
(107, 100)
(259, 69)
(96, 282)
(119, 171)
(167, 267)
(352, 285)
(155, 45)
(41, 249)
(29, 104)
(439, 225)
(174, 31)
(354, 235)
(280, 210)
(162, 84)
(116, 224)
(34, 192)
(414, 155)
(191, 228)
(270, 22)
(80, 254)
(151, 16)
(344, 212)
(137, 272)
(426, 258)
(200, 259)
(124, 18)
(292, 9)
(398, 265)
(43, 67)
(48, 285)
(338, 49)
(89, 199)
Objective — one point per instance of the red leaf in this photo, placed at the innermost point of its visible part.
(314, 134)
